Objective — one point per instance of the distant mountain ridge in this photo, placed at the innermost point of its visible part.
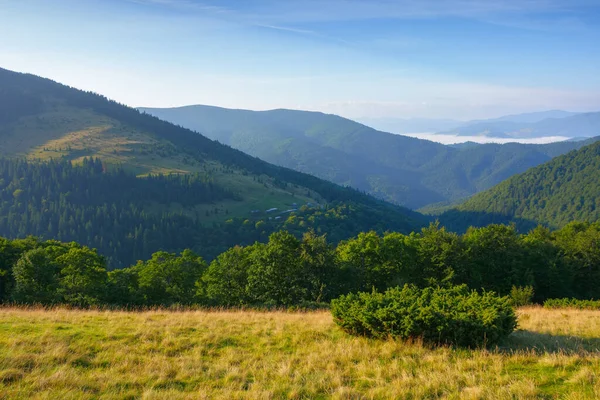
(411, 125)
(404, 170)
(530, 126)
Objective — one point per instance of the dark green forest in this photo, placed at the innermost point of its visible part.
(128, 218)
(292, 271)
(563, 190)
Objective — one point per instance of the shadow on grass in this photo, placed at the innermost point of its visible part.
(529, 341)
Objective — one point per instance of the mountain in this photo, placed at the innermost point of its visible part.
(429, 125)
(404, 170)
(77, 166)
(529, 117)
(562, 190)
(578, 125)
(411, 125)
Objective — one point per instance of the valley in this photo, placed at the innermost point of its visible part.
(330, 199)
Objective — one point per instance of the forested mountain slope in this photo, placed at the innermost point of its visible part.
(563, 190)
(210, 196)
(400, 169)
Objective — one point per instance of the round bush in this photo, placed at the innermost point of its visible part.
(455, 316)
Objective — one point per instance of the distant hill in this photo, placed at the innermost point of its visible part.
(562, 190)
(531, 117)
(528, 126)
(211, 195)
(411, 125)
(404, 170)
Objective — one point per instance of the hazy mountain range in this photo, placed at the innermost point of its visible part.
(542, 124)
(562, 124)
(400, 169)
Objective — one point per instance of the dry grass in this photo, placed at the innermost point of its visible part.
(63, 354)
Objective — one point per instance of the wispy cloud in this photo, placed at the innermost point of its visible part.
(339, 10)
(290, 15)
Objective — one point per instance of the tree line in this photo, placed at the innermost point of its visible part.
(129, 218)
(289, 271)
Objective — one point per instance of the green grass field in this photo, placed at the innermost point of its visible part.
(66, 354)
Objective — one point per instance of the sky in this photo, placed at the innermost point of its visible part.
(459, 59)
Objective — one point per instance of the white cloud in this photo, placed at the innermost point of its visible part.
(452, 139)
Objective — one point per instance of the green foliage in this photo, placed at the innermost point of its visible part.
(36, 275)
(82, 276)
(122, 288)
(572, 303)
(522, 295)
(225, 281)
(565, 189)
(168, 279)
(287, 271)
(275, 275)
(496, 258)
(454, 316)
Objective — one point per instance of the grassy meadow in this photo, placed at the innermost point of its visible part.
(73, 354)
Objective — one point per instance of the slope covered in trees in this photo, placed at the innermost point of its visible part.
(407, 171)
(139, 184)
(563, 190)
(128, 218)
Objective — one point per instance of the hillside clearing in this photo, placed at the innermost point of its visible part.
(243, 354)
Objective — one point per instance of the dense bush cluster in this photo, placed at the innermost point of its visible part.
(454, 315)
(573, 303)
(291, 271)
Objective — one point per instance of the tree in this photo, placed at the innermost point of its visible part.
(167, 278)
(275, 276)
(226, 279)
(551, 276)
(36, 276)
(83, 276)
(440, 256)
(322, 278)
(123, 287)
(580, 245)
(362, 262)
(10, 252)
(497, 258)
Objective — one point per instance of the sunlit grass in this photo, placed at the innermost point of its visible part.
(64, 354)
(71, 133)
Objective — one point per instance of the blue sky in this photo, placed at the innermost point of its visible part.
(460, 59)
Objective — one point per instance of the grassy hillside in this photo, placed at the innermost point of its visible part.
(563, 190)
(399, 169)
(61, 353)
(41, 120)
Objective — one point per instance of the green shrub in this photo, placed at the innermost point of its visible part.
(573, 303)
(521, 296)
(455, 316)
